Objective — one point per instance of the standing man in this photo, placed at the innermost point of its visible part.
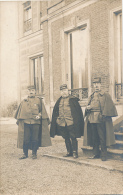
(67, 121)
(98, 125)
(32, 120)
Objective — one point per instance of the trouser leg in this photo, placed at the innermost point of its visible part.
(34, 148)
(74, 140)
(67, 141)
(26, 139)
(102, 136)
(63, 131)
(25, 149)
(75, 145)
(35, 137)
(68, 145)
(95, 139)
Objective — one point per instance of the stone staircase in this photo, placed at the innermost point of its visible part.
(119, 140)
(118, 131)
(116, 151)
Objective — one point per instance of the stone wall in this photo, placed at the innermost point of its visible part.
(57, 16)
(98, 15)
(30, 44)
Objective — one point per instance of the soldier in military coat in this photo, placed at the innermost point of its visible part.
(67, 121)
(98, 130)
(32, 120)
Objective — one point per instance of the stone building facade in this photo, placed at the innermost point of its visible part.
(71, 41)
(30, 45)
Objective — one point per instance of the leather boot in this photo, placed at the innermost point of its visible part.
(34, 150)
(75, 148)
(75, 154)
(68, 147)
(25, 150)
(34, 154)
(23, 157)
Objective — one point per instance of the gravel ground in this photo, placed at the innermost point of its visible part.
(46, 176)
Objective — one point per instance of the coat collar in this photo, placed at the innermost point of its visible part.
(101, 93)
(71, 97)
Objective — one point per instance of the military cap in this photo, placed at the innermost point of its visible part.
(31, 87)
(97, 80)
(64, 86)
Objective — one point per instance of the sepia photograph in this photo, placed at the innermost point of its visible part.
(61, 97)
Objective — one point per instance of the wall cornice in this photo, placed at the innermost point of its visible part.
(65, 10)
(40, 33)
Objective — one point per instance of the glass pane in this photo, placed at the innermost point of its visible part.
(39, 73)
(25, 15)
(32, 72)
(36, 76)
(79, 59)
(42, 75)
(121, 48)
(29, 13)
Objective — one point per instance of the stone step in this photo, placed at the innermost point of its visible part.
(119, 142)
(121, 128)
(118, 123)
(118, 133)
(117, 146)
(118, 136)
(111, 152)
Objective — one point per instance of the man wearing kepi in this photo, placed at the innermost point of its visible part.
(98, 125)
(67, 121)
(32, 120)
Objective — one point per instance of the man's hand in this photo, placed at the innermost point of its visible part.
(17, 122)
(38, 116)
(88, 107)
(26, 99)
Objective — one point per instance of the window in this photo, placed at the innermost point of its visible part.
(40, 9)
(27, 16)
(37, 74)
(118, 66)
(78, 54)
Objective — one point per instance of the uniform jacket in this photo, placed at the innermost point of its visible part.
(76, 113)
(108, 110)
(23, 112)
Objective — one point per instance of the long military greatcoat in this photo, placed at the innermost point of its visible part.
(76, 113)
(44, 135)
(108, 110)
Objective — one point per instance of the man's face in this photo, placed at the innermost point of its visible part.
(64, 93)
(97, 86)
(31, 92)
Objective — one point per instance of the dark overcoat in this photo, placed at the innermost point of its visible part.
(76, 113)
(108, 110)
(44, 134)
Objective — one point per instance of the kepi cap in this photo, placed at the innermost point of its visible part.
(64, 86)
(31, 87)
(97, 80)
